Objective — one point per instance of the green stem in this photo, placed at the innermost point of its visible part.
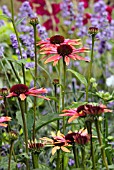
(16, 75)
(83, 157)
(24, 130)
(5, 73)
(58, 160)
(10, 155)
(19, 46)
(101, 144)
(63, 92)
(75, 155)
(63, 105)
(89, 129)
(35, 158)
(35, 80)
(90, 67)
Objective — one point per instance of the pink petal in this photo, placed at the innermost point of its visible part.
(67, 60)
(5, 119)
(12, 95)
(22, 96)
(53, 58)
(3, 125)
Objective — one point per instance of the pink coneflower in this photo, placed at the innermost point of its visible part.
(82, 137)
(4, 119)
(84, 110)
(74, 113)
(62, 48)
(21, 91)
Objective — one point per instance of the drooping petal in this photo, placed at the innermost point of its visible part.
(64, 149)
(55, 62)
(22, 96)
(67, 60)
(3, 125)
(53, 58)
(77, 57)
(72, 118)
(12, 95)
(55, 149)
(43, 97)
(5, 119)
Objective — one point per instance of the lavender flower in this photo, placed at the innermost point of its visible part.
(6, 11)
(14, 41)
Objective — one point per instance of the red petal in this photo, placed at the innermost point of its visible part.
(56, 8)
(41, 11)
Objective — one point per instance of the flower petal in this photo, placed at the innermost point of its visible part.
(3, 125)
(53, 58)
(5, 119)
(22, 96)
(72, 118)
(55, 149)
(65, 149)
(67, 60)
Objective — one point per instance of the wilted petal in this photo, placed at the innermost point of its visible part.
(65, 149)
(55, 149)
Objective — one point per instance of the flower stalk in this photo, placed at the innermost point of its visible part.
(10, 155)
(90, 67)
(101, 144)
(75, 152)
(24, 129)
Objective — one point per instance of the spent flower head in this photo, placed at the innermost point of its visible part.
(58, 142)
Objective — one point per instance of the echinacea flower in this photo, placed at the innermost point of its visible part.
(65, 50)
(84, 110)
(56, 40)
(82, 137)
(35, 146)
(21, 91)
(4, 119)
(74, 113)
(58, 142)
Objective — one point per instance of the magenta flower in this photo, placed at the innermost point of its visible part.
(22, 91)
(62, 48)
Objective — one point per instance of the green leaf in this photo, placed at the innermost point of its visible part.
(77, 104)
(80, 77)
(46, 119)
(3, 16)
(19, 118)
(19, 21)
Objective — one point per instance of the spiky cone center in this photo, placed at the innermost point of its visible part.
(64, 50)
(70, 137)
(35, 145)
(19, 89)
(58, 143)
(93, 30)
(82, 140)
(57, 39)
(4, 91)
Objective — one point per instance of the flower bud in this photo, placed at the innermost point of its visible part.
(93, 30)
(34, 21)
